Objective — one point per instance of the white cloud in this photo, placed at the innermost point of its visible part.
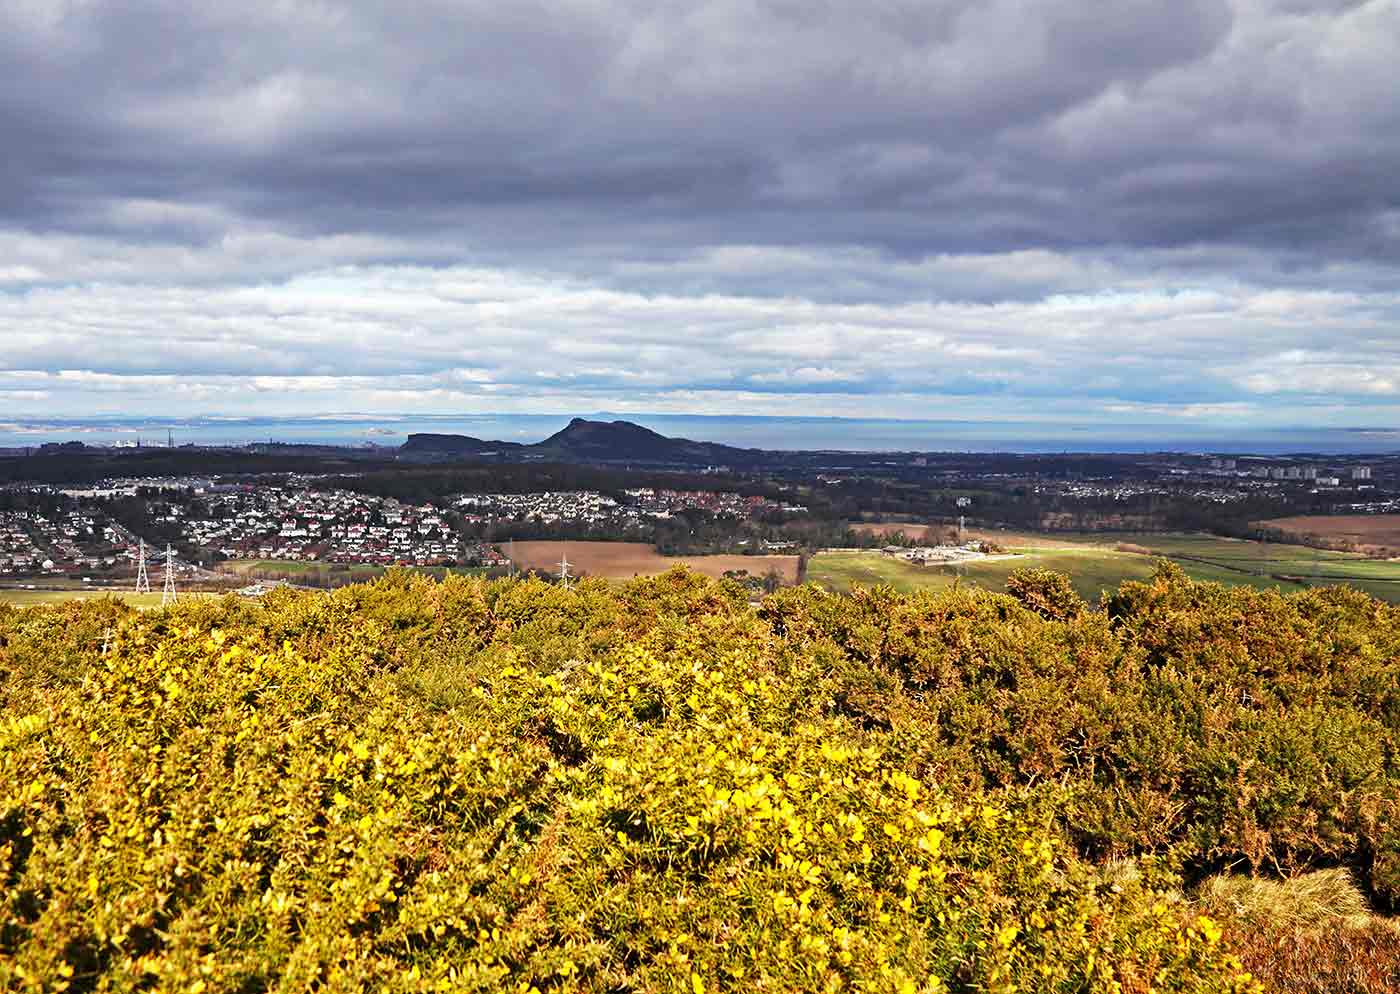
(447, 339)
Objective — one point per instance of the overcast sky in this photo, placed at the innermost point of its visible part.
(1087, 210)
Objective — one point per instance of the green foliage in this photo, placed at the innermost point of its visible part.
(413, 785)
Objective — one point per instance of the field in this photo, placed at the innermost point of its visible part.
(318, 574)
(1007, 538)
(1378, 533)
(1098, 562)
(624, 560)
(33, 598)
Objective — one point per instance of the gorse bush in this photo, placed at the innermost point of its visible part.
(424, 786)
(1221, 727)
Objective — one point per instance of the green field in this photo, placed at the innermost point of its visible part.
(1379, 577)
(318, 574)
(32, 598)
(1098, 564)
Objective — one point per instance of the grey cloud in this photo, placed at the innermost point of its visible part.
(1136, 203)
(911, 127)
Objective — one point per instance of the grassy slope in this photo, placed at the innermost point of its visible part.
(314, 572)
(293, 567)
(32, 598)
(1090, 570)
(1094, 564)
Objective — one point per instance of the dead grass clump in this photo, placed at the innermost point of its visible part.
(1140, 550)
(1323, 899)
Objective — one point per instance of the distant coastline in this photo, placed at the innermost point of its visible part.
(753, 431)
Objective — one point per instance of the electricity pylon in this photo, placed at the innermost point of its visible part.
(143, 581)
(564, 565)
(167, 596)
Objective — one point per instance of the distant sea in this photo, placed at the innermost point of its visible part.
(849, 434)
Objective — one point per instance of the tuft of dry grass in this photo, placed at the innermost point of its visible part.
(1322, 899)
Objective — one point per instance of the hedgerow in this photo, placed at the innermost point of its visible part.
(416, 786)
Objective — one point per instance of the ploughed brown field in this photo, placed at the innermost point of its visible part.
(624, 560)
(1370, 532)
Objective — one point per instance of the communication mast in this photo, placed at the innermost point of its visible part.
(168, 596)
(143, 581)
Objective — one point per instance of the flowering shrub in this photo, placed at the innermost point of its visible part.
(1218, 726)
(418, 786)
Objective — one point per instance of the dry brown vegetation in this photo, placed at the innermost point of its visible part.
(1333, 961)
(1375, 534)
(624, 560)
(1313, 934)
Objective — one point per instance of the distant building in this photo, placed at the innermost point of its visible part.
(1361, 472)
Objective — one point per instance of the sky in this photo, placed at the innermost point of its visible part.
(1056, 210)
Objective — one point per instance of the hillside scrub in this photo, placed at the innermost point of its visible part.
(467, 785)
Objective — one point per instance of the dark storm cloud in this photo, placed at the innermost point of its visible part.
(918, 127)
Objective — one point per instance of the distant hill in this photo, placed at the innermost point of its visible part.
(457, 445)
(614, 441)
(591, 441)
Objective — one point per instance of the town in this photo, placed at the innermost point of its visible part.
(334, 514)
(588, 506)
(209, 521)
(33, 542)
